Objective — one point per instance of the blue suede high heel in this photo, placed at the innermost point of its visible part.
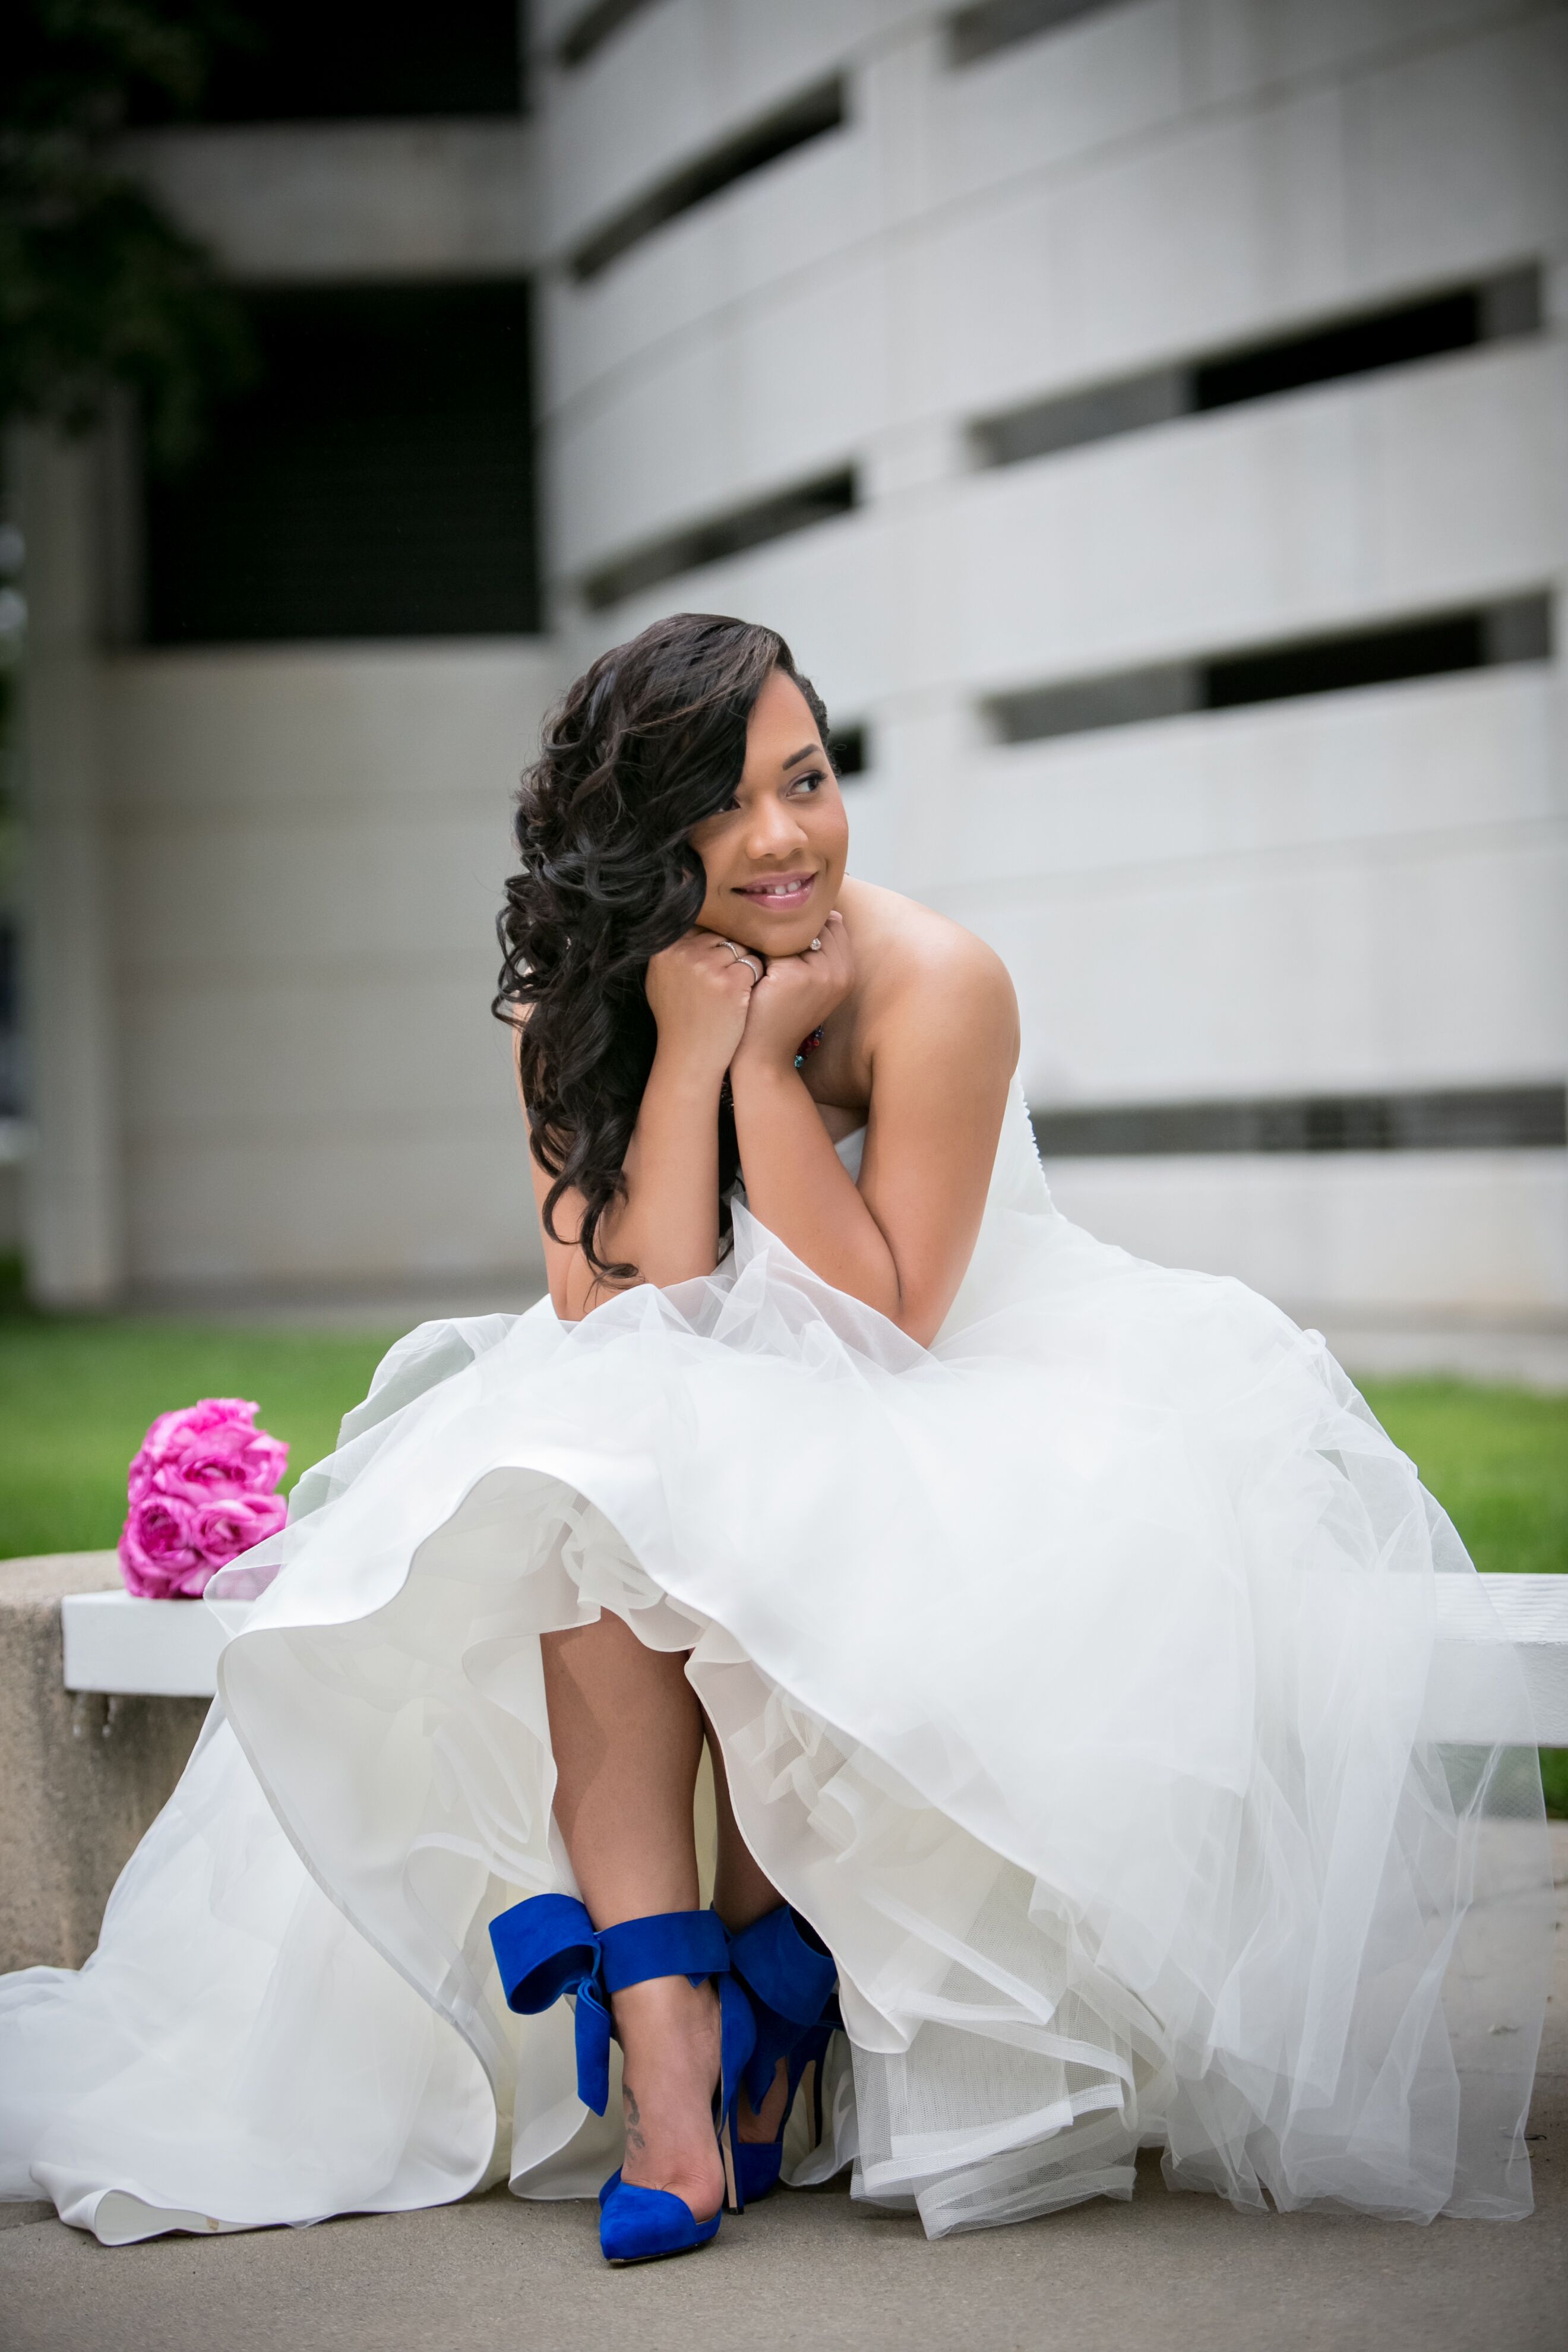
(548, 1946)
(790, 1982)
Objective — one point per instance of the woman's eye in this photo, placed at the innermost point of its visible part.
(809, 782)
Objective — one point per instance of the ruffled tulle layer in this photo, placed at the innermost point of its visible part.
(1070, 1678)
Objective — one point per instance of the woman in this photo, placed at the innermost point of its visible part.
(1059, 1627)
(798, 1010)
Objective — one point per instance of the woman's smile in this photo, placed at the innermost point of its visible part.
(784, 894)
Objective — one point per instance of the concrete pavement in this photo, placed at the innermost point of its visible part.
(812, 2272)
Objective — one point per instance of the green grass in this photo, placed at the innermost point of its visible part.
(1497, 1460)
(77, 1393)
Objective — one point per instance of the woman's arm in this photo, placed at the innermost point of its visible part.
(667, 1224)
(943, 1049)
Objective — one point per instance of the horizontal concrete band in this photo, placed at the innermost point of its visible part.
(1477, 1692)
(1442, 1119)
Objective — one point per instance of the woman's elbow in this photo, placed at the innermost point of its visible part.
(921, 1328)
(920, 1319)
(574, 1301)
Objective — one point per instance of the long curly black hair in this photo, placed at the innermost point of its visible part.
(648, 742)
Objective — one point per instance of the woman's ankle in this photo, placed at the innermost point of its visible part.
(764, 2124)
(669, 2012)
(669, 2037)
(744, 1907)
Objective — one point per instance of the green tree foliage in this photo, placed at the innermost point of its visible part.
(99, 288)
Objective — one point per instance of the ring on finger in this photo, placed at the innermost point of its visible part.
(740, 955)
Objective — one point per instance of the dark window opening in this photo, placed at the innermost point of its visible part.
(1519, 630)
(723, 535)
(290, 61)
(1418, 331)
(1491, 311)
(850, 749)
(374, 482)
(991, 25)
(1326, 666)
(1459, 1118)
(803, 119)
(1098, 414)
(593, 28)
(1080, 706)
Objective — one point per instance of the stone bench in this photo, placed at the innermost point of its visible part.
(85, 1771)
(101, 1697)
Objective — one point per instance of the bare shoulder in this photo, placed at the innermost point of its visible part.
(917, 968)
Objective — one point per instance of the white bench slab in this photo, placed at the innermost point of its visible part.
(170, 1649)
(1484, 1624)
(155, 1649)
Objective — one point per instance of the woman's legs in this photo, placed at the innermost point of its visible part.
(626, 1732)
(741, 1893)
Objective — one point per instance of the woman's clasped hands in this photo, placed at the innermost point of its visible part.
(721, 1006)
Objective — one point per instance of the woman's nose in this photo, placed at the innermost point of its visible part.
(774, 830)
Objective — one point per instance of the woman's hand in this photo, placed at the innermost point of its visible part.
(699, 993)
(796, 997)
(936, 1028)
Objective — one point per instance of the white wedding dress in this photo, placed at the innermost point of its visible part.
(1071, 1679)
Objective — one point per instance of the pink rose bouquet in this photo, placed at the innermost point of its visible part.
(202, 1490)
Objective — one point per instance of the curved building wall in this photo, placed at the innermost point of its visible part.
(1341, 894)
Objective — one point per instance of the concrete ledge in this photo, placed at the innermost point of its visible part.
(84, 1774)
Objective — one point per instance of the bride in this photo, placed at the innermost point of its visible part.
(1058, 1627)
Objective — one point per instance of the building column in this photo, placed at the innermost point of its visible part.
(72, 1227)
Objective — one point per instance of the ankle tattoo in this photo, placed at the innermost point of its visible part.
(633, 2121)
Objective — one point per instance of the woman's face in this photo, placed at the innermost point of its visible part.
(774, 857)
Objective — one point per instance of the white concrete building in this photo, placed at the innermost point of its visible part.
(266, 873)
(1147, 422)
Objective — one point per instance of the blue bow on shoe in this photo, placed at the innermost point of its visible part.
(790, 1982)
(791, 1979)
(548, 1946)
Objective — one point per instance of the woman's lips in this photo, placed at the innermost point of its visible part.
(784, 892)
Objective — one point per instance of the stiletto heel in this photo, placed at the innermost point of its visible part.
(790, 1982)
(547, 1946)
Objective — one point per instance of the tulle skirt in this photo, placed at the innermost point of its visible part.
(1071, 1678)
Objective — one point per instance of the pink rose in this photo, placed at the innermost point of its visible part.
(225, 1529)
(201, 1492)
(209, 1449)
(158, 1553)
